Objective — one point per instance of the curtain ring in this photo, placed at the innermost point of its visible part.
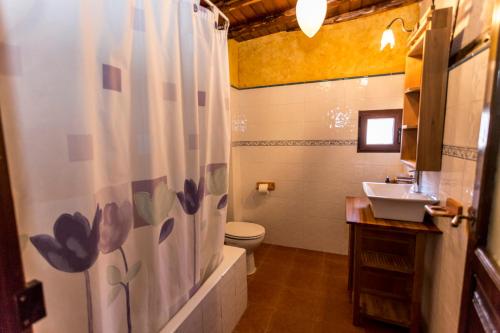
(195, 7)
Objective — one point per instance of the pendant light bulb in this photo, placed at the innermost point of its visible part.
(310, 15)
(387, 39)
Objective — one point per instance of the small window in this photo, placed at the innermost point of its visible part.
(379, 131)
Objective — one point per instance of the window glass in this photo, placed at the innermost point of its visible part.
(380, 131)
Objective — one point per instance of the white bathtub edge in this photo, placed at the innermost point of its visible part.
(231, 256)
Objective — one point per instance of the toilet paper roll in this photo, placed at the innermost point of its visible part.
(264, 188)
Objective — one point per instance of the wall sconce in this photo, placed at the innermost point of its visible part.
(388, 35)
(310, 15)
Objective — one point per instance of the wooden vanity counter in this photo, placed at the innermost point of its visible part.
(386, 263)
(359, 212)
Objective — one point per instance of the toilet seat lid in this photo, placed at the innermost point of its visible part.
(244, 230)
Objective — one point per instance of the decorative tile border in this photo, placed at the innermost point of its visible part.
(465, 153)
(296, 143)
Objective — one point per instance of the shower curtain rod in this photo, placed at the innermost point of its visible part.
(210, 3)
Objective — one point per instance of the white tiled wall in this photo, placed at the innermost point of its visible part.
(298, 112)
(446, 253)
(307, 209)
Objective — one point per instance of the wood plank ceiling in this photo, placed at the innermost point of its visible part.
(255, 18)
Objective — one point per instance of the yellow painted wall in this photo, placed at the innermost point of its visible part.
(233, 62)
(341, 50)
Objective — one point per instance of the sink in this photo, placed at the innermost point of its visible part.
(397, 201)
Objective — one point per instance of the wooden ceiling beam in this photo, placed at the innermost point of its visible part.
(231, 5)
(370, 10)
(288, 18)
(268, 22)
(279, 20)
(228, 6)
(329, 4)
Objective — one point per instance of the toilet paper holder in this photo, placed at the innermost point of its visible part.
(270, 186)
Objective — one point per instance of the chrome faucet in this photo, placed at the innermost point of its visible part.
(416, 181)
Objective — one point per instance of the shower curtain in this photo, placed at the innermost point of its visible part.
(116, 116)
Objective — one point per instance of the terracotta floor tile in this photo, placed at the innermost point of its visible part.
(264, 293)
(256, 319)
(279, 256)
(284, 322)
(264, 246)
(334, 268)
(334, 308)
(297, 290)
(335, 281)
(311, 253)
(299, 302)
(273, 274)
(280, 253)
(309, 261)
(341, 258)
(310, 280)
(260, 254)
(335, 327)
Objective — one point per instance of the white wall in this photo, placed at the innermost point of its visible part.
(445, 262)
(307, 210)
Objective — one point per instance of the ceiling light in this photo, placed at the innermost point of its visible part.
(310, 15)
(388, 35)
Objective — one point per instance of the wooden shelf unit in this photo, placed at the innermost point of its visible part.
(410, 127)
(426, 75)
(386, 266)
(386, 261)
(388, 310)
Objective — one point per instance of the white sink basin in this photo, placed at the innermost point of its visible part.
(397, 201)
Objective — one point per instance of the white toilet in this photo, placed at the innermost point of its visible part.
(245, 235)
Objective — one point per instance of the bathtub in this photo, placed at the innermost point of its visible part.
(220, 302)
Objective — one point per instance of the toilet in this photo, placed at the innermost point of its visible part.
(245, 235)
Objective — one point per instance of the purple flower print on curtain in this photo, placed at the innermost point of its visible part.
(192, 196)
(190, 201)
(73, 249)
(116, 224)
(222, 202)
(154, 207)
(217, 182)
(166, 229)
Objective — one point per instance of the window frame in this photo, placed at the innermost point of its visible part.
(363, 117)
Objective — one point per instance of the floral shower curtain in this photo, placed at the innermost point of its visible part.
(116, 116)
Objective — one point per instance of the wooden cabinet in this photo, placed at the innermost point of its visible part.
(386, 259)
(426, 76)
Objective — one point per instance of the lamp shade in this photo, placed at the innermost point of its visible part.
(310, 15)
(387, 39)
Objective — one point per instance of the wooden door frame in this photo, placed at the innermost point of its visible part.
(11, 267)
(486, 171)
